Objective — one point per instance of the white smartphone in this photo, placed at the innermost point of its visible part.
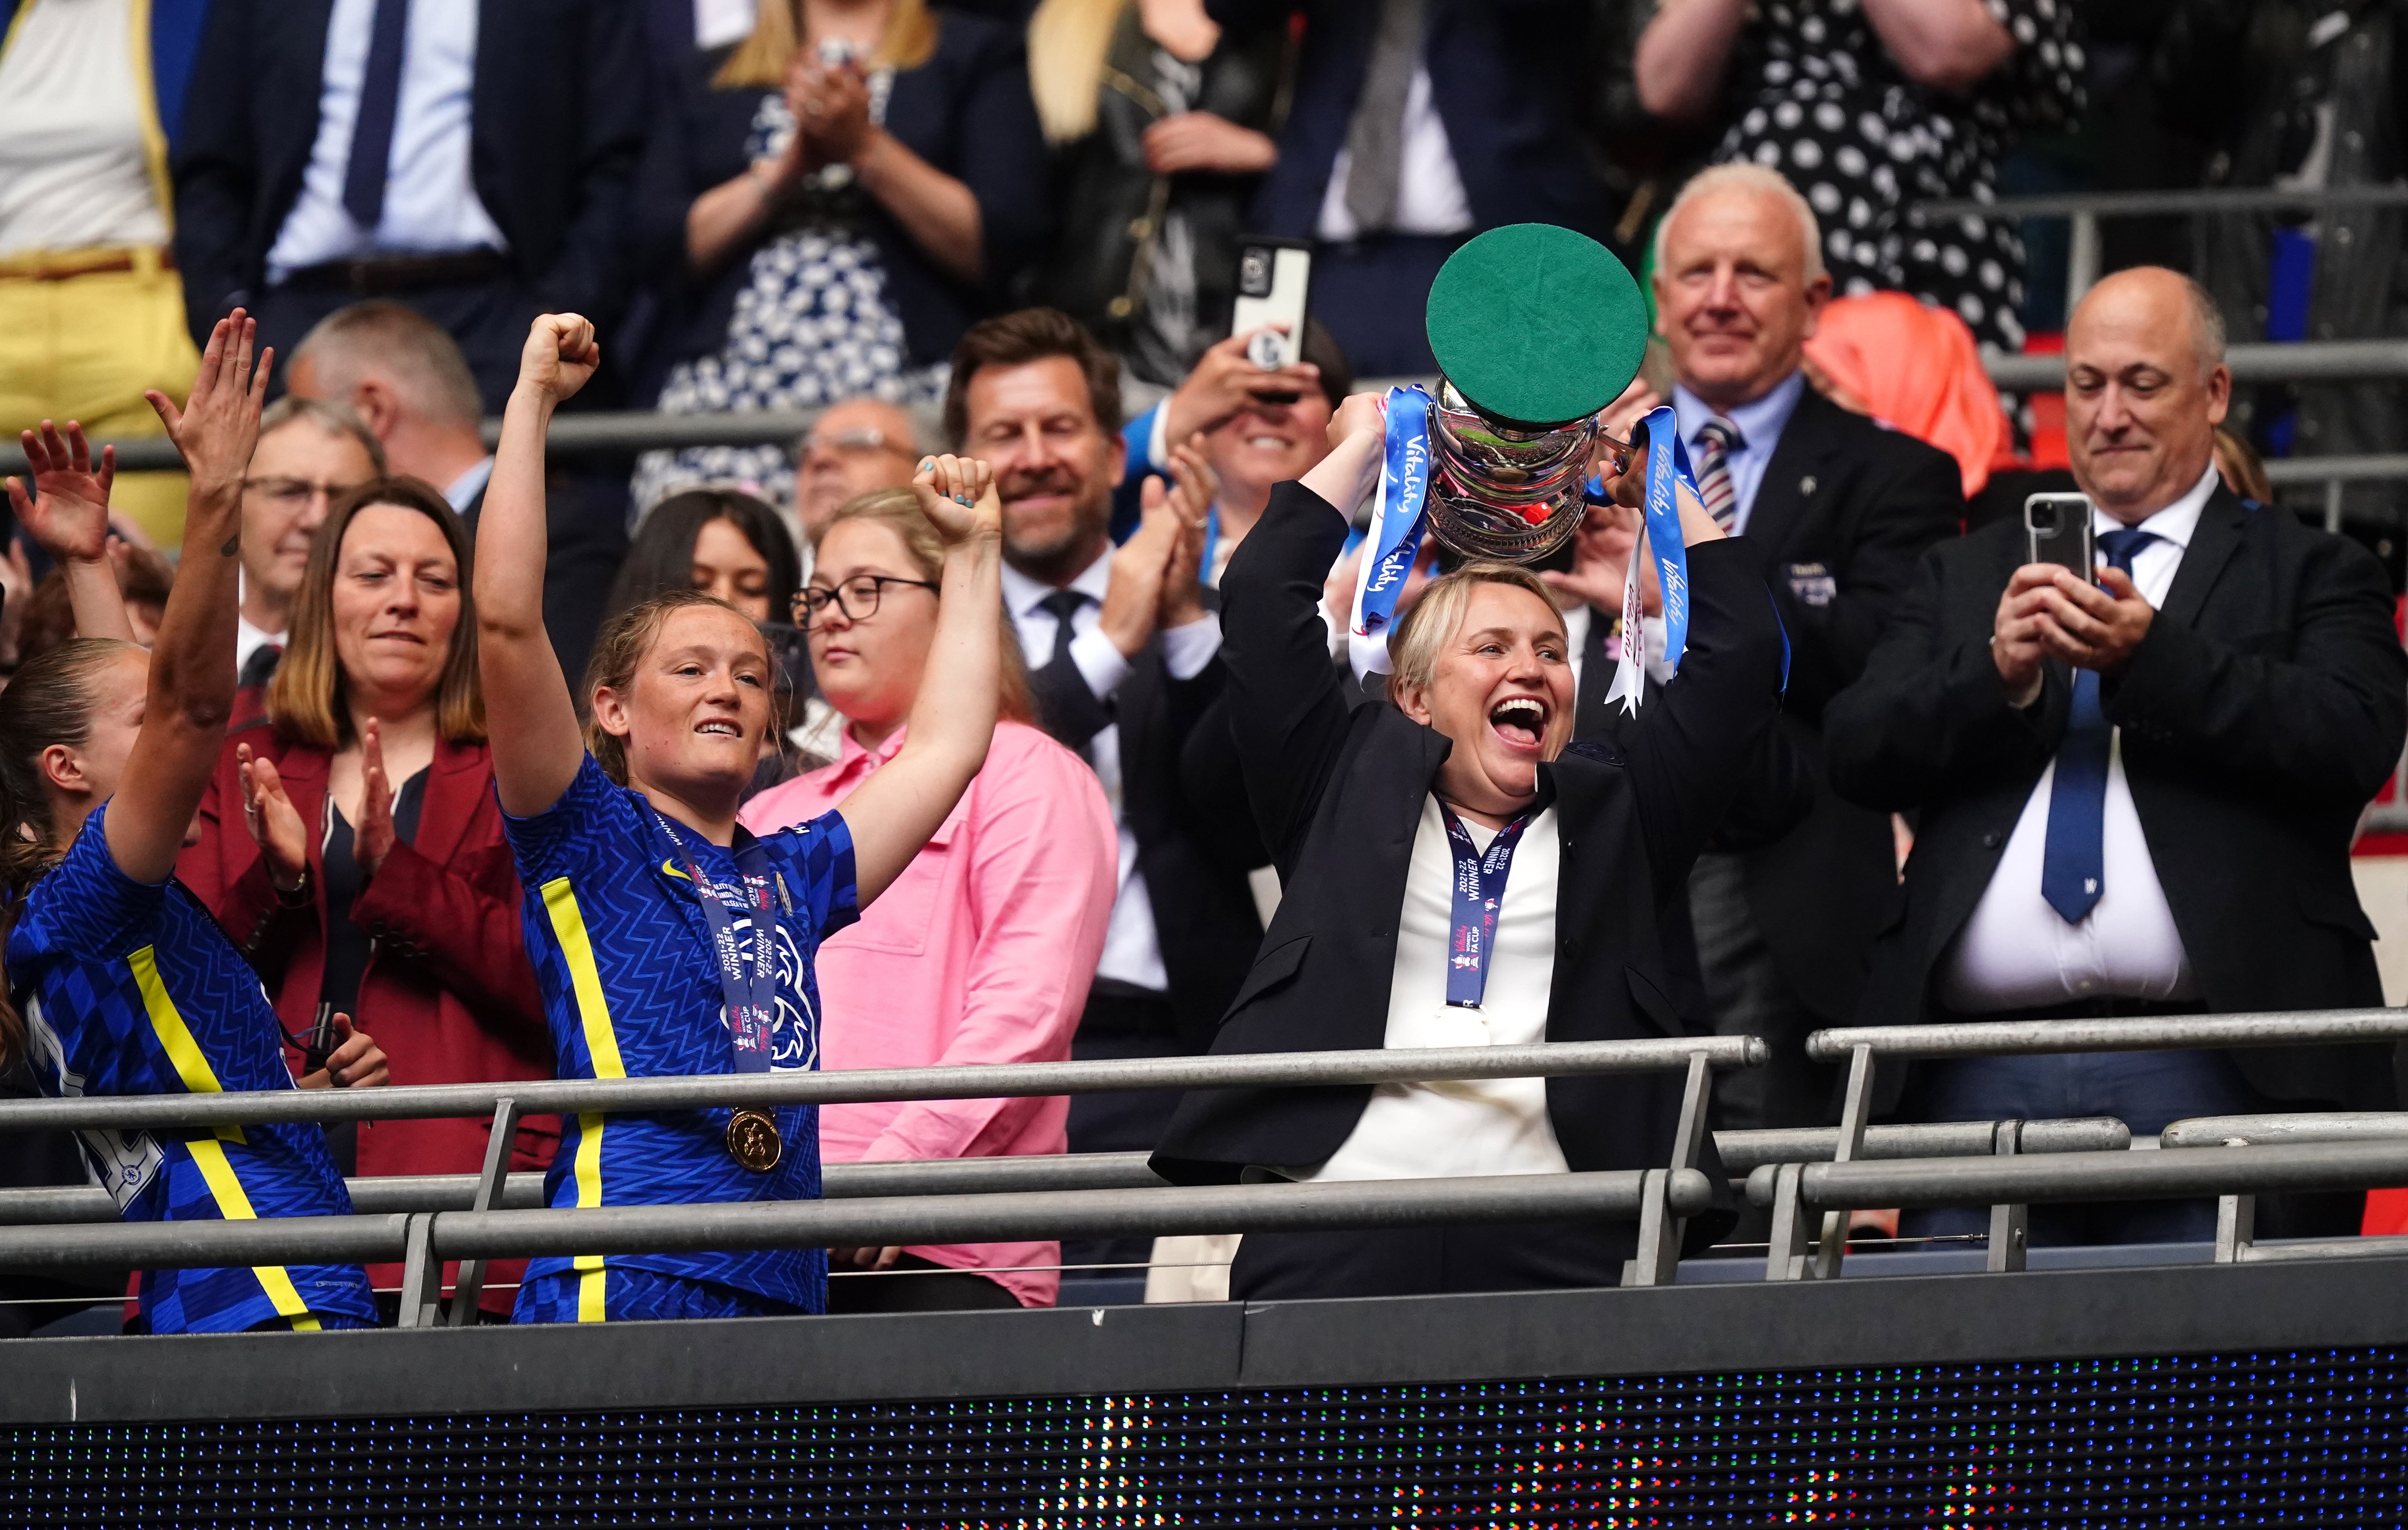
(1273, 276)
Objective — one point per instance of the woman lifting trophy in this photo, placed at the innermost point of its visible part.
(1456, 872)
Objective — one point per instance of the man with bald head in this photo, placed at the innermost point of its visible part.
(2137, 793)
(1838, 508)
(855, 446)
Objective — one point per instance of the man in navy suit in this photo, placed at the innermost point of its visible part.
(2135, 790)
(1417, 123)
(475, 161)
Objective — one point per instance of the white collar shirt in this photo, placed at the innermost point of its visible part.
(1759, 421)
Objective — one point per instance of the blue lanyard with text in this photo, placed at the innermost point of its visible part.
(751, 1001)
(1478, 894)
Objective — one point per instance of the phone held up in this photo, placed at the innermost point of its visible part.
(1272, 277)
(2056, 530)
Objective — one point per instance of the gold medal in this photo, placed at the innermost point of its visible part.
(753, 1140)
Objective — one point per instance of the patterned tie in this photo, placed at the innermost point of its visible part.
(1715, 441)
(380, 103)
(261, 667)
(2073, 871)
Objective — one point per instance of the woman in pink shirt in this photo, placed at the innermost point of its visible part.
(979, 953)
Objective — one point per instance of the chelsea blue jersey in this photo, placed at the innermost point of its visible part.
(132, 989)
(633, 990)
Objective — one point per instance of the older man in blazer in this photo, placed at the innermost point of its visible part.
(1836, 509)
(2136, 795)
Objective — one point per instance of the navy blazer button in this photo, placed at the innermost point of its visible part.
(1992, 839)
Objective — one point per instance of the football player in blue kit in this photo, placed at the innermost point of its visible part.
(666, 940)
(118, 982)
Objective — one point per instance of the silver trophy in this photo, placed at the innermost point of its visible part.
(1508, 492)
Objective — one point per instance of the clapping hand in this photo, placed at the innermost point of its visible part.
(356, 1061)
(275, 823)
(219, 424)
(69, 513)
(957, 495)
(1188, 503)
(561, 355)
(832, 110)
(372, 839)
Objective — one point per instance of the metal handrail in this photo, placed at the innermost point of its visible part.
(2136, 1032)
(2091, 1176)
(2307, 1126)
(1743, 1153)
(2204, 199)
(881, 1221)
(604, 1096)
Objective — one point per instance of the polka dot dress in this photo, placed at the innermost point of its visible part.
(812, 326)
(1820, 100)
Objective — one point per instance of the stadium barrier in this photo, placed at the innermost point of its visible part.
(2010, 1182)
(1659, 1199)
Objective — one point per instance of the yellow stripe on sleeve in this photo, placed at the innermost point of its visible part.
(174, 1034)
(208, 1152)
(602, 1046)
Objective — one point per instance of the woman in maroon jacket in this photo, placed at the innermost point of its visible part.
(351, 846)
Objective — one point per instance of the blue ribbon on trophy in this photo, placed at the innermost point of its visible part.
(1399, 517)
(1661, 538)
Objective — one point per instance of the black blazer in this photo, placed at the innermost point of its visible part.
(585, 538)
(966, 111)
(1338, 792)
(557, 113)
(2264, 707)
(1507, 78)
(1843, 511)
(1185, 802)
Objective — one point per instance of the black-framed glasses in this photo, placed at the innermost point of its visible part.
(857, 598)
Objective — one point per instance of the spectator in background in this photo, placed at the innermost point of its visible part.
(1122, 649)
(91, 313)
(1871, 105)
(311, 455)
(1415, 124)
(982, 950)
(722, 541)
(2238, 466)
(409, 383)
(1913, 368)
(1836, 509)
(2109, 775)
(855, 446)
(839, 192)
(473, 158)
(1161, 125)
(1255, 427)
(143, 578)
(351, 844)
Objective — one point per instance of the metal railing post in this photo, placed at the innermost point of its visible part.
(469, 1287)
(2236, 1220)
(2333, 506)
(2009, 1224)
(1659, 1230)
(422, 1274)
(1785, 1257)
(2082, 258)
(1853, 1112)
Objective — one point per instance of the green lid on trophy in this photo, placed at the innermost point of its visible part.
(1536, 328)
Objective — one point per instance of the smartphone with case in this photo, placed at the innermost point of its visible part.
(1273, 276)
(2056, 530)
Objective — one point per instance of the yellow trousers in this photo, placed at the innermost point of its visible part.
(83, 348)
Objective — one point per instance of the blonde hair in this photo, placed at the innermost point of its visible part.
(1068, 42)
(898, 510)
(759, 61)
(305, 697)
(1747, 177)
(1438, 616)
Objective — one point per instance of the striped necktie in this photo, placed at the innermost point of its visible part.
(1710, 454)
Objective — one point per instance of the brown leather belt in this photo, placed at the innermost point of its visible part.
(388, 276)
(65, 265)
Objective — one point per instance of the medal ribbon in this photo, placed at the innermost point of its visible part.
(751, 1001)
(1478, 894)
(1667, 473)
(1398, 519)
